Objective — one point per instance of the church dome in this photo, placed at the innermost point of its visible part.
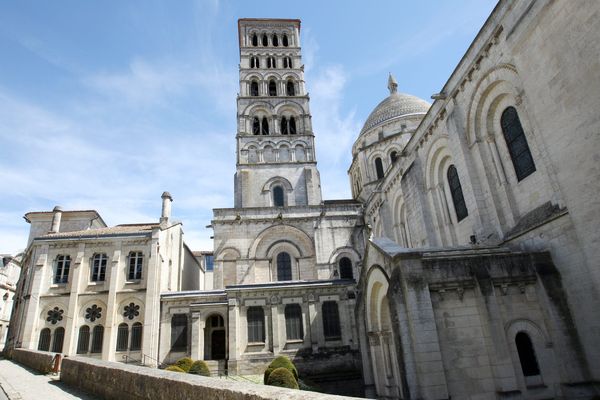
(394, 106)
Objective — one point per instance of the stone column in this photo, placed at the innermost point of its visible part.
(112, 311)
(71, 330)
(316, 333)
(232, 329)
(275, 339)
(197, 351)
(39, 262)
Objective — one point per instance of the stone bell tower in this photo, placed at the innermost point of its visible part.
(276, 163)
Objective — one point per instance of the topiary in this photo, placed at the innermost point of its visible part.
(185, 363)
(282, 377)
(280, 362)
(174, 368)
(199, 368)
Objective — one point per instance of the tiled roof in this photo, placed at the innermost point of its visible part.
(118, 230)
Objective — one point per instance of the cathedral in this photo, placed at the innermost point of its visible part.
(462, 267)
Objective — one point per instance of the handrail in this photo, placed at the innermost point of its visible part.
(158, 363)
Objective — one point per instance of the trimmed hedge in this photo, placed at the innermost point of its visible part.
(185, 363)
(199, 368)
(174, 368)
(280, 362)
(282, 377)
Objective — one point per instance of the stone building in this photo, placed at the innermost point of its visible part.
(10, 268)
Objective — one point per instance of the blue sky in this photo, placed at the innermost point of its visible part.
(105, 105)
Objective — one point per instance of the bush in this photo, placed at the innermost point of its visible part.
(282, 377)
(280, 362)
(199, 368)
(185, 363)
(174, 368)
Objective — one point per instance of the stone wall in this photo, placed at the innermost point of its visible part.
(39, 360)
(127, 382)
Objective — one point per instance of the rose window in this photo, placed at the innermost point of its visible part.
(131, 311)
(55, 315)
(93, 313)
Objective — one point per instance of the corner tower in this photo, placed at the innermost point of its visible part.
(276, 163)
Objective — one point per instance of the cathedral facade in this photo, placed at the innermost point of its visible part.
(464, 267)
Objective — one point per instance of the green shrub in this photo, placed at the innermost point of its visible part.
(282, 377)
(185, 363)
(281, 362)
(199, 368)
(174, 368)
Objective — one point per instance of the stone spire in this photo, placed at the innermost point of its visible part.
(392, 84)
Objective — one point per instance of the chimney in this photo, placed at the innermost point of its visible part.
(166, 207)
(56, 219)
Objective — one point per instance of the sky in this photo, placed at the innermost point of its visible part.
(105, 105)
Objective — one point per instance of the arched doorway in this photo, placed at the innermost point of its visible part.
(215, 338)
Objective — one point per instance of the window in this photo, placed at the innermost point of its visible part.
(290, 88)
(517, 143)
(292, 123)
(379, 168)
(331, 321)
(393, 156)
(293, 322)
(265, 41)
(256, 325)
(57, 342)
(253, 88)
(97, 339)
(44, 342)
(346, 268)
(136, 260)
(272, 88)
(278, 197)
(288, 126)
(209, 262)
(136, 337)
(284, 126)
(254, 40)
(457, 195)
(122, 337)
(83, 341)
(265, 126)
(254, 62)
(99, 267)
(527, 357)
(284, 267)
(256, 126)
(284, 40)
(179, 332)
(63, 264)
(275, 41)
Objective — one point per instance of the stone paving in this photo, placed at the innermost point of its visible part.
(21, 383)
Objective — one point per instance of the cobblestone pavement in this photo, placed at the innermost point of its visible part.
(21, 383)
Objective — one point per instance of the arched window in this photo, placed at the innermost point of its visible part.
(44, 342)
(290, 88)
(287, 62)
(331, 321)
(83, 341)
(99, 267)
(122, 337)
(97, 339)
(284, 126)
(393, 156)
(346, 268)
(179, 330)
(256, 126)
(272, 88)
(284, 267)
(265, 126)
(63, 264)
(57, 342)
(278, 197)
(457, 195)
(256, 324)
(136, 337)
(265, 41)
(527, 357)
(274, 40)
(293, 322)
(271, 63)
(284, 40)
(517, 143)
(136, 260)
(254, 40)
(292, 122)
(253, 88)
(379, 168)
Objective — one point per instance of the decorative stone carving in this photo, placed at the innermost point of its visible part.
(55, 315)
(131, 311)
(93, 313)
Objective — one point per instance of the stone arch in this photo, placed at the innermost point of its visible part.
(43, 316)
(273, 234)
(277, 180)
(89, 304)
(341, 252)
(401, 226)
(227, 253)
(257, 107)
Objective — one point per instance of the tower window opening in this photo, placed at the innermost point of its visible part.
(278, 197)
(275, 40)
(265, 126)
(287, 62)
(529, 364)
(292, 122)
(393, 156)
(379, 168)
(271, 62)
(284, 40)
(517, 143)
(265, 41)
(254, 88)
(457, 194)
(272, 88)
(254, 62)
(284, 126)
(284, 267)
(290, 88)
(254, 40)
(256, 126)
(346, 268)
